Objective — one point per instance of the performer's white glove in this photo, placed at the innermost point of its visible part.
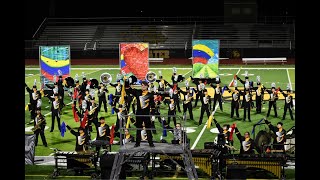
(153, 118)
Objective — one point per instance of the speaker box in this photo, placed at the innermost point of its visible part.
(236, 172)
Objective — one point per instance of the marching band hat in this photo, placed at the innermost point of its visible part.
(145, 83)
(205, 90)
(258, 83)
(55, 83)
(280, 123)
(34, 86)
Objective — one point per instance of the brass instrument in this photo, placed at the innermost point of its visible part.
(189, 97)
(92, 110)
(151, 77)
(38, 126)
(105, 78)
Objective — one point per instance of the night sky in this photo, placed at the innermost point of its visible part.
(35, 11)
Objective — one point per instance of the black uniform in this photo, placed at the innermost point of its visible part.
(198, 91)
(247, 105)
(235, 103)
(102, 98)
(280, 136)
(247, 86)
(172, 112)
(259, 97)
(288, 104)
(205, 107)
(40, 119)
(92, 115)
(81, 141)
(145, 107)
(34, 96)
(103, 134)
(117, 93)
(55, 112)
(247, 145)
(272, 102)
(226, 133)
(121, 117)
(187, 103)
(61, 90)
(217, 96)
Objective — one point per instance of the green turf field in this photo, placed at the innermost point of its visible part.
(280, 74)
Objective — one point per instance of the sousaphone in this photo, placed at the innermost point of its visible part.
(105, 78)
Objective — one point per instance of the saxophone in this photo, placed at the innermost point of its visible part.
(38, 125)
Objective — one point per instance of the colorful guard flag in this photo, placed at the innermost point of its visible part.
(63, 129)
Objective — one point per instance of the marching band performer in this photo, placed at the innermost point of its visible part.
(121, 116)
(39, 126)
(187, 102)
(172, 111)
(61, 90)
(273, 99)
(117, 93)
(225, 131)
(247, 104)
(246, 84)
(280, 133)
(246, 143)
(103, 133)
(200, 86)
(235, 101)
(55, 111)
(145, 107)
(206, 105)
(93, 113)
(288, 103)
(34, 95)
(259, 95)
(82, 139)
(217, 94)
(102, 90)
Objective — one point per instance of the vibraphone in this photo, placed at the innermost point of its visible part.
(273, 163)
(74, 160)
(205, 158)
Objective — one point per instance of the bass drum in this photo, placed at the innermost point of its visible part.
(263, 138)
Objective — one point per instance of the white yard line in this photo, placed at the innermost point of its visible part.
(32, 75)
(202, 131)
(187, 72)
(289, 80)
(158, 68)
